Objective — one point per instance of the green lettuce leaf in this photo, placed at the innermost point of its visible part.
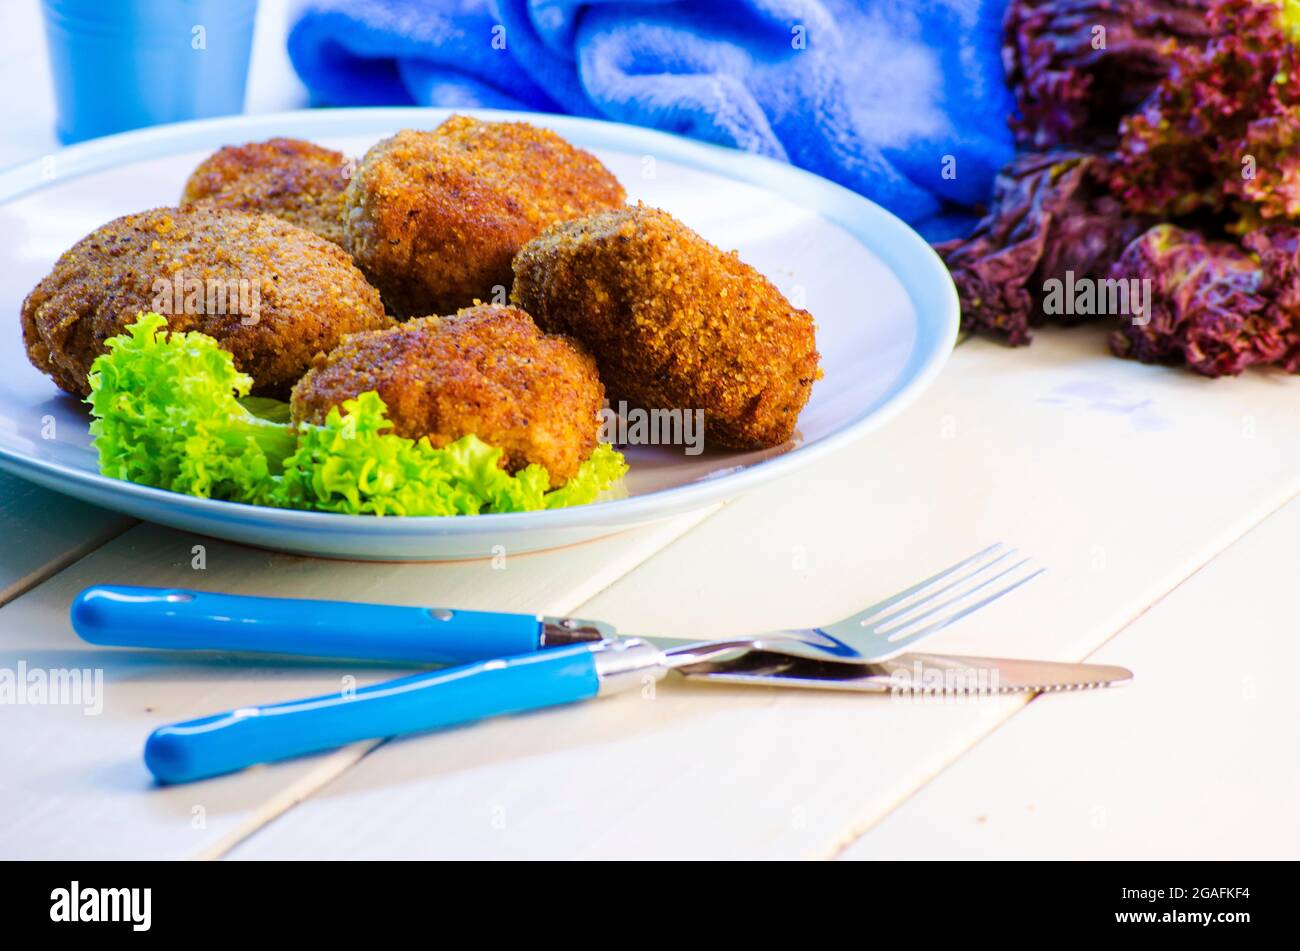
(166, 415)
(266, 407)
(172, 411)
(604, 467)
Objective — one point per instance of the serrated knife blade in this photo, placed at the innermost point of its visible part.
(939, 674)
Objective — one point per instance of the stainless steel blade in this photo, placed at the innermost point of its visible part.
(1013, 674)
(936, 674)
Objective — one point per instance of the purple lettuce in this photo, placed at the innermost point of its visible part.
(1050, 216)
(1212, 305)
(1078, 67)
(1221, 132)
(1278, 250)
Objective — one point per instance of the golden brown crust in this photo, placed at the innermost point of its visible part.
(487, 371)
(433, 218)
(308, 293)
(298, 181)
(673, 322)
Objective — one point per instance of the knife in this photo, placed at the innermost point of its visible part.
(229, 741)
(912, 674)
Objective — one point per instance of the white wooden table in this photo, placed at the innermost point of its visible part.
(1162, 504)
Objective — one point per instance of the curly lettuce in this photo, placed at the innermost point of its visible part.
(1077, 67)
(1213, 306)
(1219, 135)
(172, 411)
(1050, 215)
(166, 415)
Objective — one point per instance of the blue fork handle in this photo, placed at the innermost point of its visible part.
(229, 741)
(175, 619)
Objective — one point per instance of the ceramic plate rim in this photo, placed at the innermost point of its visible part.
(909, 258)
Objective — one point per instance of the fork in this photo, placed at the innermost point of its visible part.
(876, 635)
(872, 636)
(177, 619)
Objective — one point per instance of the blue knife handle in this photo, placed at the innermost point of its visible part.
(174, 619)
(229, 741)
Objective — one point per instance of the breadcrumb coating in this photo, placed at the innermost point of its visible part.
(200, 267)
(433, 218)
(298, 181)
(487, 370)
(673, 322)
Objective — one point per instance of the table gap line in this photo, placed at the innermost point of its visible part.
(63, 561)
(335, 765)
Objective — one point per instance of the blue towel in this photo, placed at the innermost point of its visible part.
(901, 100)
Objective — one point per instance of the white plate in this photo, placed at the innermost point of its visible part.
(885, 308)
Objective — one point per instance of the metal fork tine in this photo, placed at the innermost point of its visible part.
(913, 619)
(874, 609)
(939, 625)
(880, 622)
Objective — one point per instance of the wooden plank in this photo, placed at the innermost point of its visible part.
(1195, 760)
(44, 531)
(74, 785)
(1122, 479)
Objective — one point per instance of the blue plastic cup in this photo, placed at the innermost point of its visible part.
(123, 64)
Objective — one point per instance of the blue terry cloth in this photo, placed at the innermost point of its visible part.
(901, 100)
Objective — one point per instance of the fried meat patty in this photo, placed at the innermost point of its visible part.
(433, 218)
(673, 322)
(487, 370)
(270, 293)
(295, 180)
